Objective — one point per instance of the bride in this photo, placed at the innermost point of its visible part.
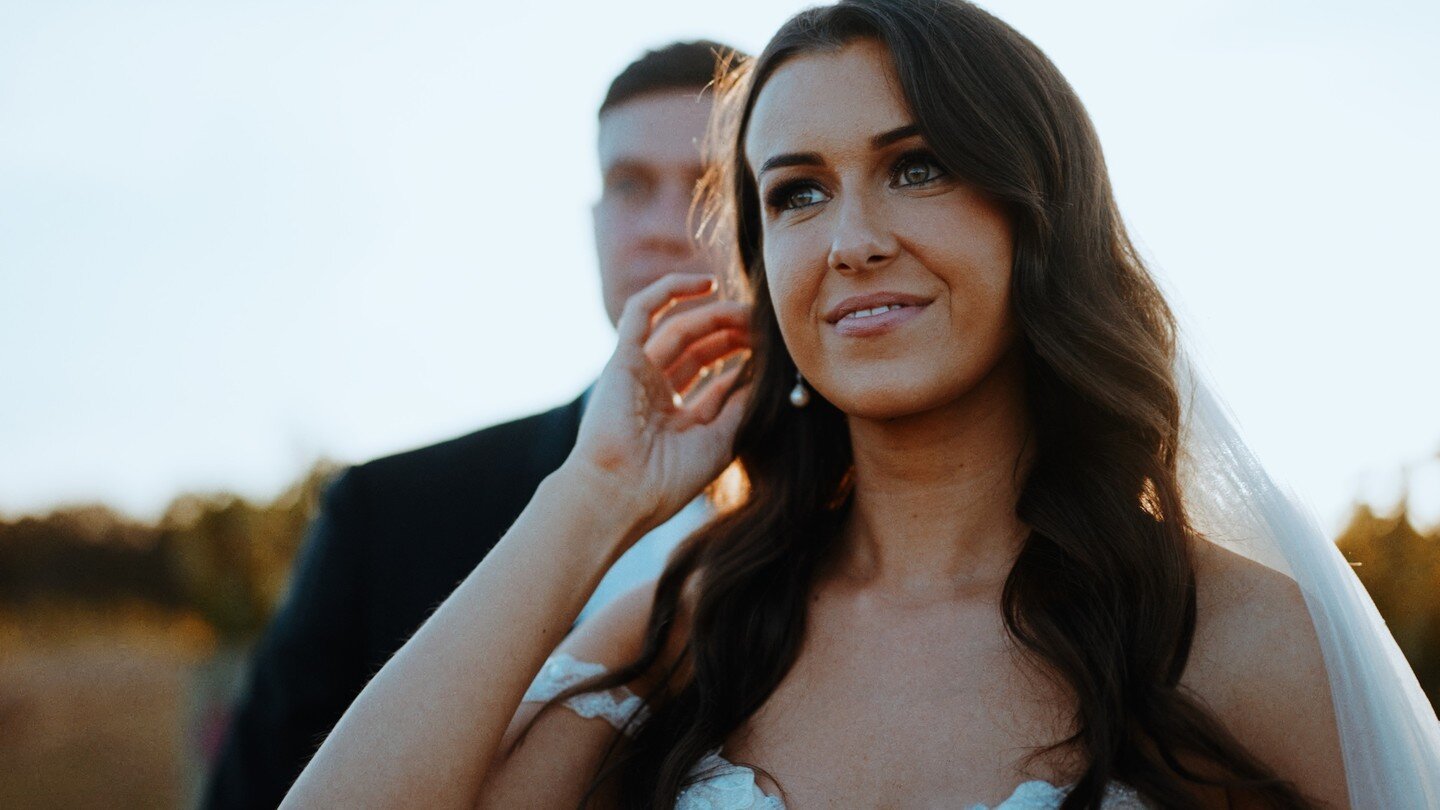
(980, 556)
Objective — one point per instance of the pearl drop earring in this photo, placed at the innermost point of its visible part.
(799, 395)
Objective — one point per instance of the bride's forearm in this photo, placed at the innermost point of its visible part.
(426, 727)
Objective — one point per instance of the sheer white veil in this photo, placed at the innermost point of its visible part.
(1388, 730)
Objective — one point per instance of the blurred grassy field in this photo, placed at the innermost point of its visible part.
(118, 710)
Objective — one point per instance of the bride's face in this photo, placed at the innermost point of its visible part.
(857, 215)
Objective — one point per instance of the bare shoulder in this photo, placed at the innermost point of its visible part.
(1256, 662)
(1243, 603)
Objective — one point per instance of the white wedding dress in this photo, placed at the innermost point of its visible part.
(722, 785)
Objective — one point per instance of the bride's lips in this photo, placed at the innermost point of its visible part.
(904, 308)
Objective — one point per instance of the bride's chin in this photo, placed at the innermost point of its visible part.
(880, 403)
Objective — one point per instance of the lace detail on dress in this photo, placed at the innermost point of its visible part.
(723, 785)
(1038, 794)
(562, 671)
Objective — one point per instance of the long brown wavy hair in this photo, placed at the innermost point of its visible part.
(1102, 595)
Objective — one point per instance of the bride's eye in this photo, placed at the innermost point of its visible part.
(794, 196)
(916, 169)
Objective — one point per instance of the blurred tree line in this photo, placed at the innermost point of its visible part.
(226, 560)
(216, 556)
(1400, 567)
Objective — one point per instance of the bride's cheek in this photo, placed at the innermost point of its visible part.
(793, 297)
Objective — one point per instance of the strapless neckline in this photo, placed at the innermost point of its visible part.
(725, 784)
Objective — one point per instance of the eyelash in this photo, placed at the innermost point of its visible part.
(779, 196)
(918, 156)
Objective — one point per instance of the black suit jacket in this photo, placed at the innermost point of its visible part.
(393, 538)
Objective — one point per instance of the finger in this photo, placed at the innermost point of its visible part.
(732, 410)
(697, 359)
(639, 312)
(699, 368)
(680, 331)
(718, 397)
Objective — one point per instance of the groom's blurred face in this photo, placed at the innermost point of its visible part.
(649, 164)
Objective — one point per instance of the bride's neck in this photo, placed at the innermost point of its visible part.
(934, 501)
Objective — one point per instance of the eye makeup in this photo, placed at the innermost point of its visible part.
(804, 192)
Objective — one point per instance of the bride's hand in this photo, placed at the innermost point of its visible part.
(644, 443)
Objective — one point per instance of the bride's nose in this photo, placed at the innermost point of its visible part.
(863, 239)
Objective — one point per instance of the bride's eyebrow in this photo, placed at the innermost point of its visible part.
(878, 142)
(791, 159)
(884, 139)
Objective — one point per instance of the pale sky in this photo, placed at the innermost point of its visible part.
(236, 237)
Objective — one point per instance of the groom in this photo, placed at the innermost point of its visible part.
(395, 536)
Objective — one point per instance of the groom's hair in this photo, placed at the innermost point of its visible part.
(677, 66)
